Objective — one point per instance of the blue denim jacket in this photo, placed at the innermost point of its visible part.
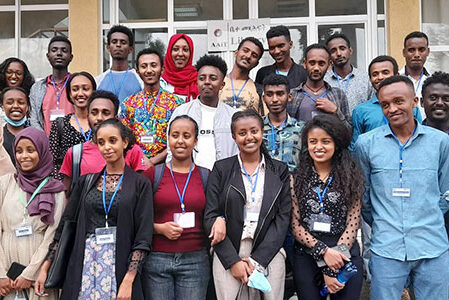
(405, 228)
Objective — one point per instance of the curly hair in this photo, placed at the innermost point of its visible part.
(437, 77)
(348, 176)
(28, 79)
(214, 61)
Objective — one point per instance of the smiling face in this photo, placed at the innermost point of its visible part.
(248, 135)
(247, 57)
(415, 53)
(80, 90)
(27, 156)
(110, 143)
(397, 101)
(180, 53)
(279, 48)
(182, 139)
(119, 46)
(436, 102)
(149, 69)
(210, 82)
(316, 64)
(100, 109)
(15, 105)
(379, 72)
(320, 145)
(59, 55)
(14, 74)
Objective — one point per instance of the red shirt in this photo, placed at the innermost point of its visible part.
(93, 162)
(166, 202)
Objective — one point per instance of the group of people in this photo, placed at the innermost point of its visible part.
(192, 182)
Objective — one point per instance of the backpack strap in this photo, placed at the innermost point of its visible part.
(204, 173)
(158, 173)
(77, 154)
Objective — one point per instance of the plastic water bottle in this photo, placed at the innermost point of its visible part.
(343, 276)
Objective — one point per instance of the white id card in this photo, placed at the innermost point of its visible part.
(185, 220)
(56, 113)
(401, 192)
(251, 213)
(105, 235)
(147, 139)
(320, 222)
(24, 230)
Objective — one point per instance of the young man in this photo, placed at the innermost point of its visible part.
(102, 105)
(120, 79)
(147, 113)
(435, 101)
(316, 96)
(406, 166)
(368, 115)
(48, 96)
(279, 45)
(282, 133)
(213, 116)
(240, 91)
(354, 82)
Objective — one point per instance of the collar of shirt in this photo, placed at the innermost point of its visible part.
(48, 80)
(300, 88)
(375, 100)
(426, 73)
(351, 74)
(261, 165)
(419, 131)
(290, 122)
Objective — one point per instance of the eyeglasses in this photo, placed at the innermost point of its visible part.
(10, 72)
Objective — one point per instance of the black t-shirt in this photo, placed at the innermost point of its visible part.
(8, 143)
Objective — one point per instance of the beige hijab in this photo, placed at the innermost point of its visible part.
(6, 165)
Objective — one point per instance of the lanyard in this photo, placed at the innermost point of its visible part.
(401, 150)
(273, 137)
(340, 79)
(106, 211)
(419, 82)
(59, 92)
(154, 102)
(311, 97)
(321, 195)
(234, 96)
(34, 194)
(181, 197)
(86, 138)
(117, 92)
(253, 189)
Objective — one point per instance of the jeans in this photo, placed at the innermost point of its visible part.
(366, 240)
(429, 276)
(170, 276)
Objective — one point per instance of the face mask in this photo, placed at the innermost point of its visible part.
(16, 123)
(258, 281)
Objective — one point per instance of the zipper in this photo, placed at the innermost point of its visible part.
(263, 221)
(227, 194)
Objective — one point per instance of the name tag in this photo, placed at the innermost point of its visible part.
(105, 235)
(185, 220)
(401, 192)
(24, 230)
(147, 139)
(56, 113)
(321, 226)
(252, 216)
(320, 222)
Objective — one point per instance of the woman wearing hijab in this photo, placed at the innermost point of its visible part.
(180, 75)
(5, 161)
(31, 206)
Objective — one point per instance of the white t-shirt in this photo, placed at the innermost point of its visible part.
(206, 155)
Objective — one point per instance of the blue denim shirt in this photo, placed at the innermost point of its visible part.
(405, 228)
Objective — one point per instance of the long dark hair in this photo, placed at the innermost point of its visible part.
(125, 132)
(28, 79)
(348, 177)
(82, 73)
(251, 113)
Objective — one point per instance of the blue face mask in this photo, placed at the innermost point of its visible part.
(258, 281)
(16, 123)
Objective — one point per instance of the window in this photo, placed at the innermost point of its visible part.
(143, 10)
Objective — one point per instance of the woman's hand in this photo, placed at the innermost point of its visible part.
(333, 285)
(21, 283)
(39, 289)
(5, 287)
(126, 287)
(170, 230)
(334, 259)
(218, 231)
(240, 270)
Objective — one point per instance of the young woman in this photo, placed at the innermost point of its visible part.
(251, 192)
(180, 75)
(326, 197)
(16, 105)
(73, 128)
(178, 266)
(31, 206)
(114, 226)
(14, 72)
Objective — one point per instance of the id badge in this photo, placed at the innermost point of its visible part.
(401, 192)
(23, 229)
(251, 214)
(105, 235)
(147, 139)
(185, 220)
(56, 113)
(320, 222)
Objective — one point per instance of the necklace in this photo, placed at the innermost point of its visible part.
(315, 92)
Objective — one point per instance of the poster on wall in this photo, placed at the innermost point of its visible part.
(226, 35)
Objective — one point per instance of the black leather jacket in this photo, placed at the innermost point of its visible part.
(226, 197)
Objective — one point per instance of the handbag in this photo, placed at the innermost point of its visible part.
(58, 269)
(15, 271)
